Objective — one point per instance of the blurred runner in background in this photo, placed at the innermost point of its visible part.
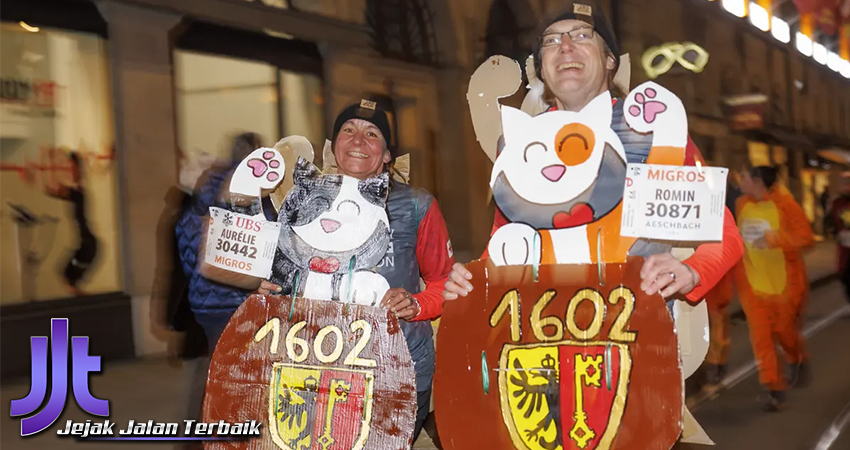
(772, 283)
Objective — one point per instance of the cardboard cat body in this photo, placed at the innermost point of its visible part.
(335, 228)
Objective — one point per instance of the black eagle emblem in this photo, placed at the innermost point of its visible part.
(532, 397)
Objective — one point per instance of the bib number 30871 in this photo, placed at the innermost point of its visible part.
(674, 203)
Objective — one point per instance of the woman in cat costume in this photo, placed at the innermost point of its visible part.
(419, 245)
(577, 59)
(772, 283)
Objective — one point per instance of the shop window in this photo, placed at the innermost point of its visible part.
(220, 97)
(403, 29)
(58, 196)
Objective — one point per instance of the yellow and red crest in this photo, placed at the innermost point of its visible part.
(314, 407)
(568, 394)
(558, 361)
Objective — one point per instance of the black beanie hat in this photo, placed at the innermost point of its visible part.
(589, 12)
(370, 112)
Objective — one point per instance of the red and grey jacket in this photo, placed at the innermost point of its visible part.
(419, 247)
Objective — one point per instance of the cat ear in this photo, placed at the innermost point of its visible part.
(599, 109)
(401, 168)
(375, 189)
(514, 123)
(303, 170)
(328, 159)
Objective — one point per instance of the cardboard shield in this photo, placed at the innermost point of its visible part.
(318, 375)
(563, 362)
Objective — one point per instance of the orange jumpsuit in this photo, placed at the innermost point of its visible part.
(772, 282)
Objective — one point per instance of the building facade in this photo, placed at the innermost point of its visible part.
(148, 92)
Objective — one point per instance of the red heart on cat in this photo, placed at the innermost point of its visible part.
(327, 265)
(579, 214)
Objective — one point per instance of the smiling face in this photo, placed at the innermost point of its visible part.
(360, 149)
(576, 70)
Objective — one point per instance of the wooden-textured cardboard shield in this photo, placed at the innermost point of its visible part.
(558, 363)
(317, 375)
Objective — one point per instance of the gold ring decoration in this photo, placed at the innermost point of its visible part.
(673, 52)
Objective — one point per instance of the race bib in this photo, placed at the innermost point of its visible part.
(753, 229)
(241, 243)
(674, 203)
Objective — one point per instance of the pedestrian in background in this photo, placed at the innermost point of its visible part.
(772, 282)
(718, 301)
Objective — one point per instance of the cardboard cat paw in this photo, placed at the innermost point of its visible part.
(366, 288)
(514, 244)
(651, 107)
(262, 170)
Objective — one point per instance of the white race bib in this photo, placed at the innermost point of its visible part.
(753, 229)
(241, 243)
(674, 203)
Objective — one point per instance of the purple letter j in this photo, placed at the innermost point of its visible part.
(82, 365)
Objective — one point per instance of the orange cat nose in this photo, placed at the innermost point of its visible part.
(575, 143)
(554, 172)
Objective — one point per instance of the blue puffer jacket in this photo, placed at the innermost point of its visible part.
(205, 296)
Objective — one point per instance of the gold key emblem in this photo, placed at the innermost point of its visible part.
(587, 374)
(338, 394)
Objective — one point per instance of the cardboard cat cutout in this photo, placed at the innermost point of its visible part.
(557, 173)
(559, 178)
(335, 229)
(313, 372)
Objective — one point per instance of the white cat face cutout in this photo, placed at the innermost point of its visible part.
(555, 161)
(348, 221)
(548, 162)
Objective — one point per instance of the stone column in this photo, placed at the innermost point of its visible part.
(145, 130)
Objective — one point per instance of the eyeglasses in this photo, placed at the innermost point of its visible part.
(576, 35)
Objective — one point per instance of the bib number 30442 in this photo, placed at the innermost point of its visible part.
(674, 203)
(241, 243)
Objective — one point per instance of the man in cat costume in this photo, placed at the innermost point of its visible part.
(419, 246)
(772, 282)
(577, 60)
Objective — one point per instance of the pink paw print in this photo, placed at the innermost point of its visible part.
(263, 166)
(651, 108)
